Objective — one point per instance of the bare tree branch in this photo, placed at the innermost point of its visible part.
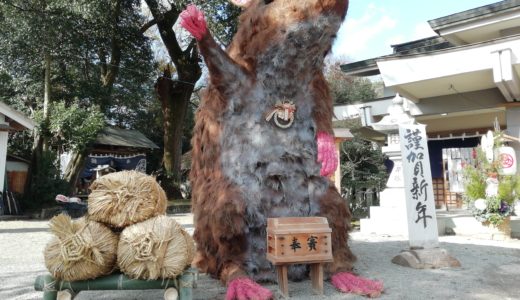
(147, 26)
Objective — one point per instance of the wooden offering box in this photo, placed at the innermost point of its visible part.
(298, 240)
(301, 241)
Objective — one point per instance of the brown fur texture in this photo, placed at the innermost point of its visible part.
(244, 169)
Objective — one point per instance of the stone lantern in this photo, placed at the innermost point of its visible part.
(390, 216)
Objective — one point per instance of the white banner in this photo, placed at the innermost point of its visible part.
(420, 205)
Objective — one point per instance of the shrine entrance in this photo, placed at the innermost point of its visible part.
(448, 156)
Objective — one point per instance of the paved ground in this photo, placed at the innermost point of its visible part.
(490, 269)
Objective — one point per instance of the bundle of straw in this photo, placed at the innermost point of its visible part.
(81, 249)
(156, 248)
(125, 198)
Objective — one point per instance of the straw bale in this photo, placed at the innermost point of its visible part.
(125, 198)
(80, 249)
(156, 248)
(191, 245)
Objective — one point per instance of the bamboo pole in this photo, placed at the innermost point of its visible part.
(511, 138)
(184, 283)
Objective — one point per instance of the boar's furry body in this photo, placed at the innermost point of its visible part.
(245, 169)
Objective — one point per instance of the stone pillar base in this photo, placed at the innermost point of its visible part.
(434, 258)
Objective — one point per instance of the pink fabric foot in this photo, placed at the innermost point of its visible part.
(350, 283)
(247, 289)
(192, 19)
(327, 153)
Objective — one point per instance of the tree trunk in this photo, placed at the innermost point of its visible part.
(36, 155)
(46, 100)
(41, 138)
(174, 97)
(76, 164)
(174, 94)
(110, 70)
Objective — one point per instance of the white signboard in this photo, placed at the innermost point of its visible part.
(420, 205)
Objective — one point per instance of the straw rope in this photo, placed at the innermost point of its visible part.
(125, 198)
(156, 248)
(49, 287)
(73, 248)
(80, 249)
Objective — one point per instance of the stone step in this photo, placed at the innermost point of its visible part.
(385, 220)
(387, 213)
(369, 226)
(465, 224)
(394, 197)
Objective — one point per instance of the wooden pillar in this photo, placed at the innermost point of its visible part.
(317, 278)
(283, 284)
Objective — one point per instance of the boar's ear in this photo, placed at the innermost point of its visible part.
(243, 3)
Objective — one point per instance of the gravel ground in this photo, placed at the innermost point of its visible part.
(490, 269)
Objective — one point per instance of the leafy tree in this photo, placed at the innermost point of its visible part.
(74, 127)
(91, 53)
(347, 89)
(362, 168)
(46, 183)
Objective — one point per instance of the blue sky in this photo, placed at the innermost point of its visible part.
(372, 26)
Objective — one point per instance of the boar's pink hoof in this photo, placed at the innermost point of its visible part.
(327, 154)
(350, 283)
(192, 19)
(246, 289)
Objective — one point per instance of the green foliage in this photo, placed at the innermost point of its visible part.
(80, 36)
(87, 41)
(73, 127)
(362, 171)
(347, 89)
(363, 174)
(20, 144)
(474, 183)
(362, 165)
(506, 189)
(222, 17)
(45, 184)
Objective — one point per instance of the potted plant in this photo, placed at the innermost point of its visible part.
(491, 191)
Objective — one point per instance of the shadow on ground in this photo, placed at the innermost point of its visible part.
(487, 272)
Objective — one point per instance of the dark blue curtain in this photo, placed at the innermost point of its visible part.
(435, 149)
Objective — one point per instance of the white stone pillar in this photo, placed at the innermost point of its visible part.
(420, 205)
(340, 135)
(4, 135)
(336, 177)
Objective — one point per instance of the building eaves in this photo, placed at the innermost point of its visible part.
(369, 67)
(11, 157)
(422, 46)
(473, 14)
(366, 67)
(112, 136)
(450, 49)
(16, 116)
